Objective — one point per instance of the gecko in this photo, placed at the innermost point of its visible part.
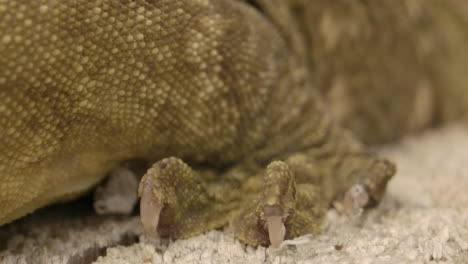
(258, 115)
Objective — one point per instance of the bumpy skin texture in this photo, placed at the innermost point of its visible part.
(226, 88)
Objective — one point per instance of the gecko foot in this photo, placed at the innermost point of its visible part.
(296, 195)
(287, 200)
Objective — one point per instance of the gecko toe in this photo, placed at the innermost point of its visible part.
(176, 203)
(264, 222)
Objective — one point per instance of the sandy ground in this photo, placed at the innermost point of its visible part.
(423, 219)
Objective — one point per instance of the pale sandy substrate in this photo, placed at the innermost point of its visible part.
(423, 219)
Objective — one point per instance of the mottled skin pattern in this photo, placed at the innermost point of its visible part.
(251, 95)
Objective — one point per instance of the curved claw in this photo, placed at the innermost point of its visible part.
(150, 209)
(274, 217)
(276, 230)
(354, 201)
(356, 198)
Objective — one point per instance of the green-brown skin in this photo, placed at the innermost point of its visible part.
(227, 89)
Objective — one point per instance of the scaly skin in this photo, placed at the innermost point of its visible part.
(228, 89)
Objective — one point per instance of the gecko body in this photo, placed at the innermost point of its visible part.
(252, 111)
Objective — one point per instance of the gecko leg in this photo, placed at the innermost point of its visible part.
(178, 202)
